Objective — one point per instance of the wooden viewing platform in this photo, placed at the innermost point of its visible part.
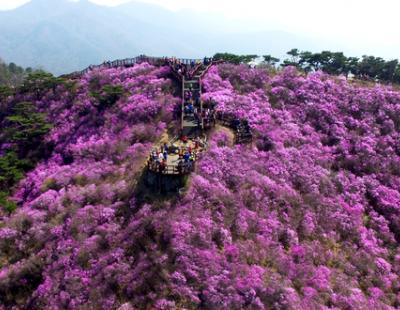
(189, 75)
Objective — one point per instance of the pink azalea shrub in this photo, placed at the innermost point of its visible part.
(307, 217)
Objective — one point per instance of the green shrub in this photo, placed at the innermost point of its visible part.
(50, 183)
(108, 95)
(7, 204)
(11, 170)
(22, 129)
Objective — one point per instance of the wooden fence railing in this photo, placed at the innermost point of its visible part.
(156, 167)
(228, 120)
(129, 62)
(157, 61)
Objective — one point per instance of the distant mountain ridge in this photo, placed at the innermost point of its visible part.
(63, 36)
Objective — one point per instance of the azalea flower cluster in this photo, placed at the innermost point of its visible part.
(307, 217)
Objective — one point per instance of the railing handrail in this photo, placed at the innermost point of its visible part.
(240, 136)
(171, 169)
(138, 59)
(213, 63)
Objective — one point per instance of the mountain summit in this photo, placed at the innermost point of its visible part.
(305, 217)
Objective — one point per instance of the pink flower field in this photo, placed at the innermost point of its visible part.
(307, 217)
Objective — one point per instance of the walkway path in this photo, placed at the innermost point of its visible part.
(182, 154)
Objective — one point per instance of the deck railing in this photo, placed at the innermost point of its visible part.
(228, 119)
(129, 62)
(156, 61)
(156, 167)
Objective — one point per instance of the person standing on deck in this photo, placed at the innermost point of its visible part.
(190, 108)
(162, 166)
(186, 157)
(180, 166)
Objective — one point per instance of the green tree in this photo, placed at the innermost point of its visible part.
(247, 58)
(6, 203)
(270, 60)
(334, 63)
(11, 170)
(294, 59)
(388, 70)
(12, 67)
(39, 82)
(370, 67)
(5, 92)
(233, 58)
(25, 127)
(396, 75)
(306, 61)
(22, 134)
(11, 74)
(107, 96)
(352, 66)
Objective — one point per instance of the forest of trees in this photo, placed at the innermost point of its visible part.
(336, 63)
(11, 74)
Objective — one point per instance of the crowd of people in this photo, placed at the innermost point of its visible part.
(184, 156)
(242, 128)
(209, 116)
(189, 69)
(192, 108)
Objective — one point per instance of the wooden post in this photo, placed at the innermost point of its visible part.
(201, 106)
(183, 102)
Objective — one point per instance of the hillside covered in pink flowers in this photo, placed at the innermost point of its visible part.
(307, 217)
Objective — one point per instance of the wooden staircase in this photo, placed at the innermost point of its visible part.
(192, 124)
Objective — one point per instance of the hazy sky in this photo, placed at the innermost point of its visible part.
(361, 22)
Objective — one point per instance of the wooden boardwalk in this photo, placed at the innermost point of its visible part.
(192, 140)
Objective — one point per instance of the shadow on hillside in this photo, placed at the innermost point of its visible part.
(159, 191)
(153, 186)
